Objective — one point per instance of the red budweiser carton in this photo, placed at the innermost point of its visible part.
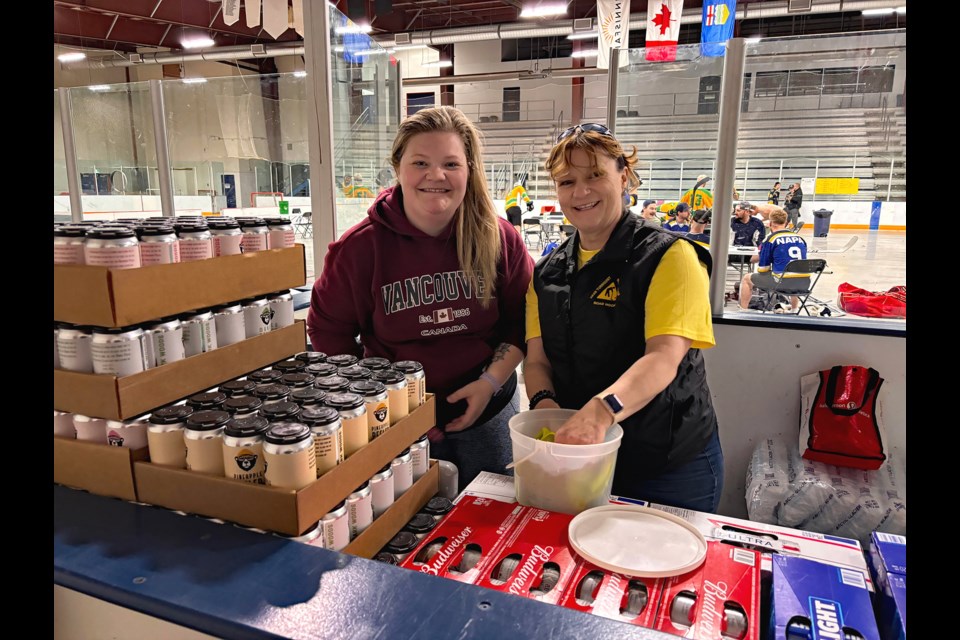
(463, 543)
(534, 559)
(612, 595)
(718, 601)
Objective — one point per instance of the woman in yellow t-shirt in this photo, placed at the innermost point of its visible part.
(616, 318)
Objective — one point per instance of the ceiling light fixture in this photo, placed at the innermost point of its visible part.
(194, 80)
(300, 74)
(353, 28)
(753, 40)
(99, 87)
(197, 42)
(373, 52)
(583, 36)
(584, 54)
(72, 56)
(878, 12)
(902, 10)
(438, 63)
(544, 10)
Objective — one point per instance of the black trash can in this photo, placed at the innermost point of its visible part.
(821, 223)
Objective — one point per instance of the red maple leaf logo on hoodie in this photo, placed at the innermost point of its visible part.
(662, 19)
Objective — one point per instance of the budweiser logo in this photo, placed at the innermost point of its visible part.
(528, 570)
(446, 552)
(710, 614)
(610, 595)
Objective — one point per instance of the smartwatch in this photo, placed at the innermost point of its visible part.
(612, 403)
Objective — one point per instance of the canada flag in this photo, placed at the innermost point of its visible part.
(443, 315)
(663, 29)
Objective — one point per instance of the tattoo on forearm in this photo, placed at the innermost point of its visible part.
(501, 352)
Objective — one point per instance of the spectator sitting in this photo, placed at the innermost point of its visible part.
(781, 247)
(649, 214)
(698, 226)
(681, 223)
(748, 231)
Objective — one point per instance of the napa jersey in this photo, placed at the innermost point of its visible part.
(701, 239)
(780, 248)
(516, 194)
(703, 199)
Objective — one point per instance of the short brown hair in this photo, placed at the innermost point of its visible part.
(593, 143)
(778, 217)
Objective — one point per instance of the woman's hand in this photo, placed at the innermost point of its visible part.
(477, 394)
(587, 426)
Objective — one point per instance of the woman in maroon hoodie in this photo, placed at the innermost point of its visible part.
(435, 275)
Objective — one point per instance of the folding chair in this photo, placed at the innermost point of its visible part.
(532, 228)
(304, 225)
(814, 267)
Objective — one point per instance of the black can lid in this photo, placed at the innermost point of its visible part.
(366, 483)
(115, 330)
(386, 467)
(171, 415)
(157, 230)
(308, 396)
(271, 391)
(190, 227)
(223, 223)
(355, 372)
(422, 438)
(332, 383)
(246, 404)
(280, 411)
(387, 558)
(339, 505)
(298, 379)
(388, 376)
(374, 364)
(107, 233)
(251, 222)
(319, 415)
(207, 400)
(70, 231)
(289, 366)
(287, 433)
(342, 360)
(438, 506)
(246, 426)
(238, 387)
(322, 369)
(276, 222)
(420, 523)
(89, 224)
(404, 452)
(408, 366)
(402, 542)
(261, 377)
(368, 387)
(207, 420)
(344, 401)
(311, 357)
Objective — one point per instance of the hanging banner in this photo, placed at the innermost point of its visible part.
(663, 29)
(253, 12)
(298, 16)
(719, 17)
(231, 11)
(613, 21)
(275, 18)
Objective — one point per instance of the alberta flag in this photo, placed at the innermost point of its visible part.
(663, 29)
(718, 19)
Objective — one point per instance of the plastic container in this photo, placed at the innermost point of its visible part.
(568, 478)
(821, 222)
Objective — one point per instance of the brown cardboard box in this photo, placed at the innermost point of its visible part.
(129, 396)
(368, 543)
(98, 468)
(121, 297)
(281, 510)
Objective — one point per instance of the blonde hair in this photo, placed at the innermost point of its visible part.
(475, 221)
(593, 143)
(778, 217)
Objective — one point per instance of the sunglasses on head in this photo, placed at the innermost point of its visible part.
(587, 126)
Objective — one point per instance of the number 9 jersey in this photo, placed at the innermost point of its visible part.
(778, 249)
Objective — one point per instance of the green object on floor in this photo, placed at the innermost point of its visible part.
(284, 208)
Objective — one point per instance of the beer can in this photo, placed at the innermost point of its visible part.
(311, 357)
(291, 365)
(265, 376)
(416, 381)
(336, 528)
(342, 360)
(360, 507)
(438, 506)
(281, 306)
(243, 406)
(382, 486)
(327, 430)
(401, 545)
(113, 247)
(312, 536)
(402, 467)
(420, 452)
(159, 245)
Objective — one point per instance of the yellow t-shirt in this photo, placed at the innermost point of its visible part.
(678, 302)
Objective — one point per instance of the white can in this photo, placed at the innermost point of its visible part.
(231, 326)
(336, 528)
(402, 467)
(167, 339)
(165, 436)
(73, 349)
(381, 484)
(90, 429)
(360, 509)
(325, 424)
(257, 317)
(312, 536)
(63, 424)
(420, 452)
(199, 333)
(112, 247)
(227, 237)
(281, 233)
(196, 243)
(281, 305)
(131, 434)
(68, 243)
(416, 381)
(255, 235)
(121, 351)
(56, 348)
(159, 245)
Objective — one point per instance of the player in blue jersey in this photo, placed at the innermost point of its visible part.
(698, 227)
(681, 223)
(779, 248)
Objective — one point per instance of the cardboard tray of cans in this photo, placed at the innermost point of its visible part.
(122, 398)
(368, 543)
(105, 297)
(274, 509)
(97, 468)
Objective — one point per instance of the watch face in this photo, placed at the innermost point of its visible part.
(613, 402)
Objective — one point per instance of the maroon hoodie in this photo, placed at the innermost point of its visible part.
(403, 292)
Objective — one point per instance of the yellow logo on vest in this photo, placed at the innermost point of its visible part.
(607, 293)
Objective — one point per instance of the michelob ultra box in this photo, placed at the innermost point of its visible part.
(612, 595)
(533, 559)
(718, 600)
(816, 601)
(463, 544)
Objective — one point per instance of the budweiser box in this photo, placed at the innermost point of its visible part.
(533, 559)
(718, 600)
(490, 485)
(612, 595)
(105, 297)
(462, 545)
(819, 601)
